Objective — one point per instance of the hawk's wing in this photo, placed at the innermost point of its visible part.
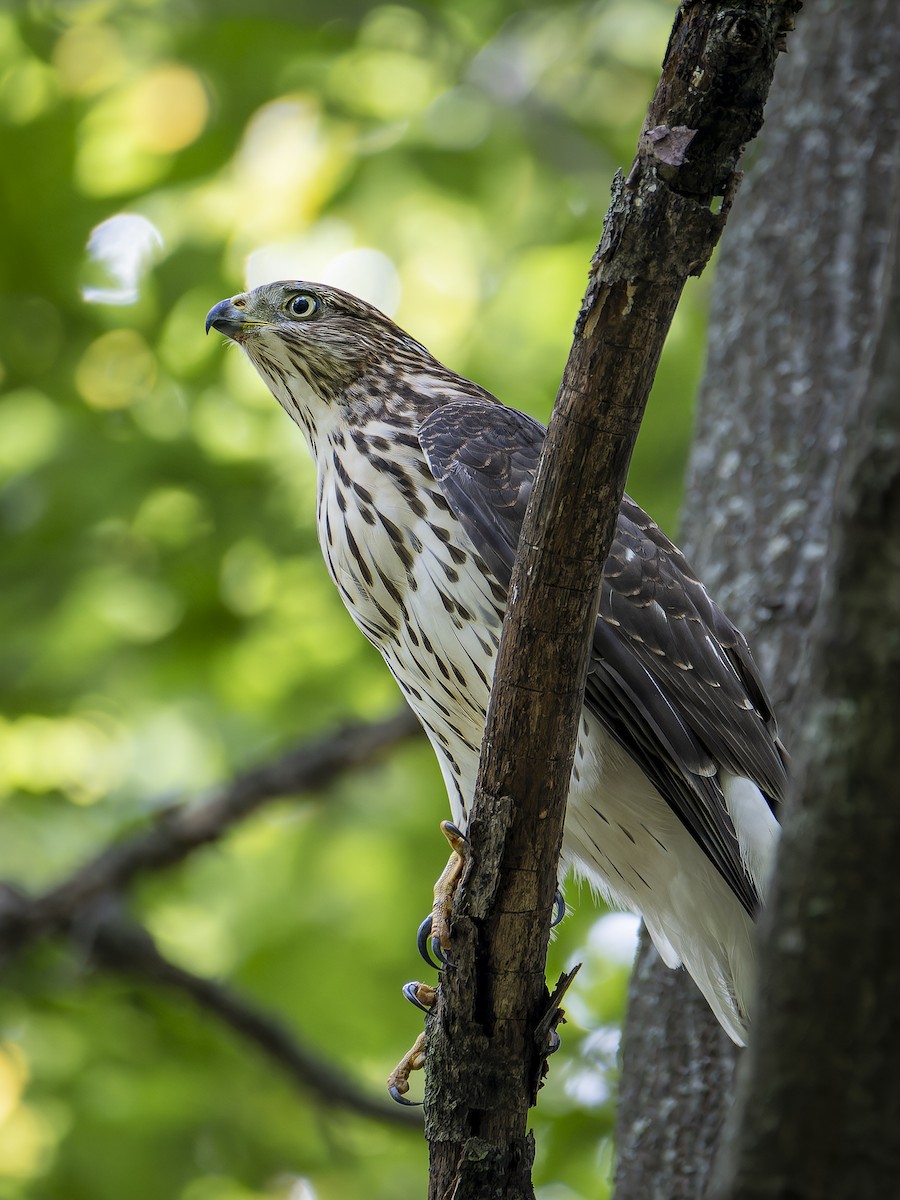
(670, 678)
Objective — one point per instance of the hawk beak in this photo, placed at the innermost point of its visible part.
(225, 318)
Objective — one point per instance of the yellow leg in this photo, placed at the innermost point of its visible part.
(412, 1060)
(445, 888)
(422, 995)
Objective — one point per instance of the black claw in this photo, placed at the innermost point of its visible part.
(559, 909)
(422, 938)
(395, 1094)
(455, 830)
(410, 991)
(554, 1041)
(438, 951)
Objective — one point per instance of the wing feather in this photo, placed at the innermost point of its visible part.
(670, 678)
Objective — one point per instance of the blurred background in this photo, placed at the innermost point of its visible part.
(166, 617)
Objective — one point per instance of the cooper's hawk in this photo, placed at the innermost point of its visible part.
(423, 480)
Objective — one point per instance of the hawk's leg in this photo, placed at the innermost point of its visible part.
(423, 996)
(412, 1060)
(437, 925)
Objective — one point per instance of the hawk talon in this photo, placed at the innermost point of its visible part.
(398, 1080)
(454, 836)
(421, 995)
(436, 926)
(422, 939)
(559, 909)
(397, 1096)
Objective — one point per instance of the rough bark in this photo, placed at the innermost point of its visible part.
(799, 301)
(818, 1109)
(677, 1079)
(485, 1055)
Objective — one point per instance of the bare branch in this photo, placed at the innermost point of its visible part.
(125, 946)
(86, 904)
(483, 1057)
(181, 830)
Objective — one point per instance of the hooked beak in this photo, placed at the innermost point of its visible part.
(225, 318)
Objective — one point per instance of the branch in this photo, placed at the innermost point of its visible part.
(483, 1058)
(797, 303)
(182, 829)
(86, 905)
(125, 946)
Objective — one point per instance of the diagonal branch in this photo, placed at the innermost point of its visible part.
(483, 1057)
(125, 946)
(182, 829)
(86, 904)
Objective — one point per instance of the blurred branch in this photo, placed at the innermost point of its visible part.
(125, 946)
(86, 905)
(182, 829)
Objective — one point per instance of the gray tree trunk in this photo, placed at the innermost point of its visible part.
(799, 337)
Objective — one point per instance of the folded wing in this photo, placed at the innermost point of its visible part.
(670, 678)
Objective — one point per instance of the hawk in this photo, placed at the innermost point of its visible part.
(423, 478)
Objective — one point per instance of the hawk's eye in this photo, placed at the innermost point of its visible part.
(302, 306)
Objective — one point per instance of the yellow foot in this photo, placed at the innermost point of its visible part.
(435, 929)
(422, 995)
(445, 888)
(398, 1080)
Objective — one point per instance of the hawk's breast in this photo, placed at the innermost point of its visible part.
(413, 583)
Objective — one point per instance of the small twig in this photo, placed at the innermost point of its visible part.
(545, 1035)
(122, 945)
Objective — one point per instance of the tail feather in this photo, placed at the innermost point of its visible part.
(756, 827)
(715, 943)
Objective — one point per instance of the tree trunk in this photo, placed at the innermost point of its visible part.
(818, 1110)
(677, 1075)
(800, 302)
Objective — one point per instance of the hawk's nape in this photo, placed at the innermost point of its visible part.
(423, 481)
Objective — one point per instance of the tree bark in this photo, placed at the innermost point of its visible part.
(799, 304)
(676, 1084)
(818, 1110)
(485, 1050)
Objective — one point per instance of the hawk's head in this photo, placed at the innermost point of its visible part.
(330, 358)
(317, 347)
(329, 336)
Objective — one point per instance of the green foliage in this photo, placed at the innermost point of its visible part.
(166, 616)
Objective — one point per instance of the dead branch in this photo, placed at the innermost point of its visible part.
(483, 1058)
(86, 906)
